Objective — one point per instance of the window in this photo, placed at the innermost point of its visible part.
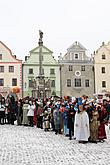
(1, 68)
(77, 82)
(70, 68)
(14, 82)
(1, 82)
(0, 56)
(103, 56)
(53, 83)
(76, 56)
(30, 71)
(68, 82)
(86, 83)
(52, 71)
(77, 73)
(82, 68)
(11, 68)
(103, 69)
(103, 84)
(30, 83)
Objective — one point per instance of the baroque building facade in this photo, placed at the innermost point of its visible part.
(77, 72)
(10, 71)
(102, 68)
(50, 70)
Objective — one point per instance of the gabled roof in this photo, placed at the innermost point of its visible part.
(77, 45)
(10, 51)
(104, 46)
(6, 47)
(48, 50)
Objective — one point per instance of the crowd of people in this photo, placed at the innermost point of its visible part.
(79, 118)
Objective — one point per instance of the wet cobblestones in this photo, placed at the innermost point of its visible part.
(21, 145)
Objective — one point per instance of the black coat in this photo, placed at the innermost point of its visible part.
(71, 115)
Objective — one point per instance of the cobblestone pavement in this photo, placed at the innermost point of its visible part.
(21, 145)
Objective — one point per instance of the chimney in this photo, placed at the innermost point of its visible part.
(103, 43)
(14, 56)
(26, 57)
(76, 42)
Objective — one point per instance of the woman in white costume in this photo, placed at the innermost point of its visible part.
(81, 125)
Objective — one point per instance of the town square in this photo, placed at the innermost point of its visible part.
(54, 82)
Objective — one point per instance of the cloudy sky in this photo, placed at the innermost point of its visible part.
(62, 21)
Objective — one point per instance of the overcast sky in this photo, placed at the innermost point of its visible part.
(62, 21)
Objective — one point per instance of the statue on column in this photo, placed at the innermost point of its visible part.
(41, 37)
(41, 34)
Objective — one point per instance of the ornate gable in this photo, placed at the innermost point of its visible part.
(7, 54)
(77, 46)
(44, 50)
(47, 56)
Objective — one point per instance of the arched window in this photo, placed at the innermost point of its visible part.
(103, 56)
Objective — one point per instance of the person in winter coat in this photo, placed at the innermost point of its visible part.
(2, 110)
(65, 121)
(30, 113)
(25, 111)
(19, 112)
(12, 107)
(71, 116)
(52, 119)
(46, 120)
(94, 124)
(57, 114)
(103, 119)
(40, 116)
(35, 113)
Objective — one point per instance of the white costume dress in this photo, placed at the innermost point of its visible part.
(81, 126)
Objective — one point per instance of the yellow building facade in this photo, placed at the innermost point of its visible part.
(102, 68)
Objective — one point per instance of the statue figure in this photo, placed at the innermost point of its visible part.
(40, 39)
(34, 83)
(47, 83)
(41, 34)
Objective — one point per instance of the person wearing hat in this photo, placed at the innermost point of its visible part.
(81, 125)
(25, 111)
(65, 121)
(30, 113)
(94, 124)
(71, 116)
(57, 115)
(40, 116)
(12, 107)
(103, 118)
(46, 119)
(2, 110)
